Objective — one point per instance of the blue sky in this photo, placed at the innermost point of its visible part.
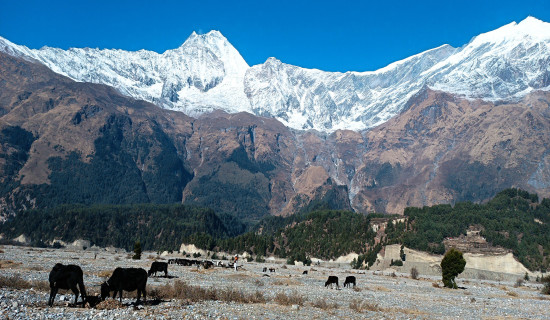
(328, 35)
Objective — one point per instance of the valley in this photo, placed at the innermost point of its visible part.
(386, 294)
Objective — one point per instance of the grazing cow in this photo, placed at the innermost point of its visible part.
(349, 280)
(332, 280)
(305, 272)
(158, 266)
(264, 269)
(127, 279)
(271, 269)
(207, 264)
(66, 277)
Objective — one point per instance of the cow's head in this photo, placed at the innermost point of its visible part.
(105, 290)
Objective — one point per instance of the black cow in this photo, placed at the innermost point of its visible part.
(66, 277)
(127, 279)
(305, 272)
(349, 280)
(158, 266)
(332, 280)
(271, 269)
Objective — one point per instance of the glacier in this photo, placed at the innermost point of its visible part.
(207, 73)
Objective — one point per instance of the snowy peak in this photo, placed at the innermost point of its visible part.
(207, 73)
(220, 46)
(529, 29)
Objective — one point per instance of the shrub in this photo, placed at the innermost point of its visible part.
(260, 259)
(546, 288)
(519, 283)
(396, 263)
(414, 273)
(16, 282)
(290, 299)
(290, 261)
(361, 306)
(452, 265)
(183, 291)
(323, 304)
(137, 251)
(526, 277)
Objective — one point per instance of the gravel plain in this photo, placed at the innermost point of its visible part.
(378, 295)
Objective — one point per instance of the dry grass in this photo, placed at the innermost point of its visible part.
(511, 293)
(380, 288)
(519, 283)
(323, 304)
(109, 304)
(258, 283)
(16, 282)
(183, 291)
(36, 268)
(4, 264)
(414, 273)
(104, 273)
(408, 311)
(361, 306)
(436, 285)
(287, 282)
(289, 299)
(357, 289)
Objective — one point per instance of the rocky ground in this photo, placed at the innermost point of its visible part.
(377, 295)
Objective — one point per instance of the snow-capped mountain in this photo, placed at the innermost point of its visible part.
(205, 73)
(208, 73)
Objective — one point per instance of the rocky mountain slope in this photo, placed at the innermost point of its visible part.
(68, 142)
(207, 73)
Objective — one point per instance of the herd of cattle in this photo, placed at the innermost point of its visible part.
(71, 277)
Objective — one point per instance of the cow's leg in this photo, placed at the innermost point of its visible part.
(53, 293)
(74, 289)
(83, 292)
(120, 295)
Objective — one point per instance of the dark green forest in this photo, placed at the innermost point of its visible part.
(324, 234)
(157, 227)
(513, 219)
